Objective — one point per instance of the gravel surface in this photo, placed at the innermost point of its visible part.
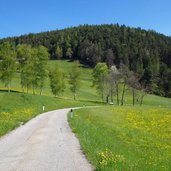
(45, 143)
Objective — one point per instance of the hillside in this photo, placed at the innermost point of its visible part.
(145, 52)
(86, 91)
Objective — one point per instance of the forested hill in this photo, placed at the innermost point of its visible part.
(145, 52)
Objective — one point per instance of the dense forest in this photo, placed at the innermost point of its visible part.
(147, 53)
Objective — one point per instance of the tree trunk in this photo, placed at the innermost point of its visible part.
(33, 90)
(107, 99)
(9, 88)
(41, 91)
(141, 101)
(22, 88)
(111, 95)
(112, 98)
(133, 96)
(123, 93)
(117, 93)
(27, 88)
(102, 95)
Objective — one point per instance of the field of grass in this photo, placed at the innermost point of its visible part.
(17, 108)
(125, 138)
(86, 91)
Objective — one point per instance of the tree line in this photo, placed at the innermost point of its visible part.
(146, 53)
(114, 82)
(32, 65)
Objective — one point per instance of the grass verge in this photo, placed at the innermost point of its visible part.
(17, 108)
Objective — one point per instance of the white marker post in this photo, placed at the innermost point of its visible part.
(43, 108)
(71, 113)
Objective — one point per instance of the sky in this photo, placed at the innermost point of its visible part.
(18, 17)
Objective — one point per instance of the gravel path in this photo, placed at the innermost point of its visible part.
(45, 143)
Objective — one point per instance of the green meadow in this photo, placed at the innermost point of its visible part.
(18, 108)
(86, 91)
(125, 138)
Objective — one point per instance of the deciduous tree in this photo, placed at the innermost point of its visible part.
(114, 82)
(58, 52)
(23, 57)
(125, 73)
(74, 78)
(100, 74)
(57, 81)
(7, 63)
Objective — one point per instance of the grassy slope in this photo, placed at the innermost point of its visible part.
(125, 138)
(85, 93)
(17, 107)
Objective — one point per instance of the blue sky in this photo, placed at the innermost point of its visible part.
(21, 17)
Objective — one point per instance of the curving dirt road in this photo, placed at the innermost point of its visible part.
(45, 143)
